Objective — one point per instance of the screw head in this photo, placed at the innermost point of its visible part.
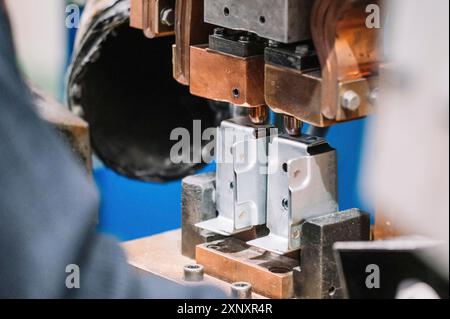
(193, 273)
(351, 100)
(241, 290)
(244, 39)
(236, 93)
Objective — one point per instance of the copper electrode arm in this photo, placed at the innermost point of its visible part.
(190, 29)
(347, 48)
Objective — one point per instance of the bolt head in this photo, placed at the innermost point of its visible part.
(193, 273)
(351, 101)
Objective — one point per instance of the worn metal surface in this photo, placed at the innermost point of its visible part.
(72, 129)
(233, 261)
(318, 275)
(227, 78)
(285, 21)
(241, 177)
(302, 184)
(198, 204)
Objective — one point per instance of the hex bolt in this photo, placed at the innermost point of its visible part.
(350, 100)
(194, 273)
(168, 17)
(241, 290)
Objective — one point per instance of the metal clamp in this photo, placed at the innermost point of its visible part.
(302, 184)
(241, 177)
(285, 21)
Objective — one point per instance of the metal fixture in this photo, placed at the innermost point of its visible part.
(302, 184)
(241, 183)
(351, 101)
(198, 204)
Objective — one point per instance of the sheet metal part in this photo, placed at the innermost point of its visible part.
(285, 21)
(241, 182)
(190, 29)
(198, 204)
(233, 261)
(227, 78)
(155, 17)
(318, 275)
(302, 184)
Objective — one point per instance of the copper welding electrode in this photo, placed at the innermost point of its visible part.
(259, 115)
(292, 126)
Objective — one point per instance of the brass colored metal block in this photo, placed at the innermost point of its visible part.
(298, 94)
(190, 29)
(232, 260)
(227, 78)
